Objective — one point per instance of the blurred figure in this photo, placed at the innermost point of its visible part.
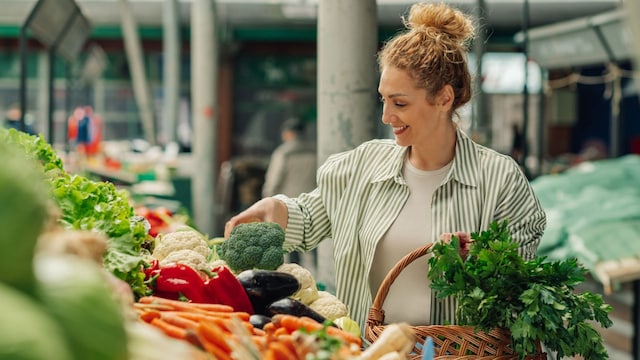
(292, 168)
(12, 120)
(85, 130)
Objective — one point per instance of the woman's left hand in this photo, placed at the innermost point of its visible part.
(464, 241)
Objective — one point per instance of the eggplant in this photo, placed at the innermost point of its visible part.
(259, 320)
(266, 286)
(294, 307)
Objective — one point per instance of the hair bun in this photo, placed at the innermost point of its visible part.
(442, 18)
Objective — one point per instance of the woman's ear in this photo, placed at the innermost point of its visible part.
(445, 97)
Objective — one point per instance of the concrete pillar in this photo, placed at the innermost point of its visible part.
(204, 77)
(633, 7)
(171, 68)
(135, 58)
(41, 114)
(347, 83)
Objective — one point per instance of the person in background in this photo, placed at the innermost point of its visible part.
(387, 197)
(292, 167)
(12, 120)
(85, 130)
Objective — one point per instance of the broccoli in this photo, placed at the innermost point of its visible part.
(256, 245)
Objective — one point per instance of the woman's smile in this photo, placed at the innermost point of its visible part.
(398, 130)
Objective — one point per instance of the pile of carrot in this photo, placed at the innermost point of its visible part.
(227, 334)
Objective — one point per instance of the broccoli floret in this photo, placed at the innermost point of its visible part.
(256, 245)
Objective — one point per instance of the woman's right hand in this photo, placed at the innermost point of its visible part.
(268, 209)
(464, 241)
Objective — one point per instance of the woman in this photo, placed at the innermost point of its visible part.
(385, 198)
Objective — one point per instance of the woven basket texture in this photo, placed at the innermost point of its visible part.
(450, 341)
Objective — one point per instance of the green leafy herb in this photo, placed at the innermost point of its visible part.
(534, 299)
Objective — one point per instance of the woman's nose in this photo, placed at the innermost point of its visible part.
(385, 115)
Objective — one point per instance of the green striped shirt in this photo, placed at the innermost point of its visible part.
(360, 193)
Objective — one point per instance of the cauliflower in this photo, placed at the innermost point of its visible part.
(187, 239)
(329, 306)
(187, 257)
(308, 292)
(255, 245)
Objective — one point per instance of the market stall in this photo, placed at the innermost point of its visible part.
(88, 263)
(590, 197)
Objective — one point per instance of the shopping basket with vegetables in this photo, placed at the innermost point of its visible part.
(450, 341)
(524, 303)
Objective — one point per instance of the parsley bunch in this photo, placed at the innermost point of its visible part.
(534, 299)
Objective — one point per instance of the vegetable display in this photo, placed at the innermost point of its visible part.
(65, 299)
(534, 299)
(180, 281)
(228, 334)
(24, 206)
(89, 205)
(81, 276)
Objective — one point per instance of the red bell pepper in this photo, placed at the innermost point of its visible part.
(224, 287)
(181, 279)
(151, 269)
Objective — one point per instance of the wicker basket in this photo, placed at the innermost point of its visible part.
(450, 341)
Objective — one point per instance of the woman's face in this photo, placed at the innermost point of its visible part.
(407, 109)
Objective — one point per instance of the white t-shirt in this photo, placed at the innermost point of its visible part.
(409, 298)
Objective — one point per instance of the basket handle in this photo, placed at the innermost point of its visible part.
(376, 313)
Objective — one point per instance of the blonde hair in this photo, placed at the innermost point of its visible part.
(433, 50)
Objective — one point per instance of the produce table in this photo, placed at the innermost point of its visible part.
(116, 176)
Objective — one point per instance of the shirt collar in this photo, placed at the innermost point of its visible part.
(465, 162)
(393, 168)
(464, 168)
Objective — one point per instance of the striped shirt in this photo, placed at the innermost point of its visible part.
(361, 192)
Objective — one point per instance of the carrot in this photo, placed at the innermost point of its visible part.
(207, 315)
(345, 335)
(213, 333)
(186, 306)
(147, 316)
(194, 316)
(281, 351)
(259, 341)
(169, 329)
(287, 341)
(269, 354)
(293, 323)
(258, 332)
(269, 328)
(215, 350)
(244, 316)
(281, 331)
(156, 307)
(177, 320)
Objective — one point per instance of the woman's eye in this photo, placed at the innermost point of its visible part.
(381, 99)
(400, 104)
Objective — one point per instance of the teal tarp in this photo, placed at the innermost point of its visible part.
(593, 211)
